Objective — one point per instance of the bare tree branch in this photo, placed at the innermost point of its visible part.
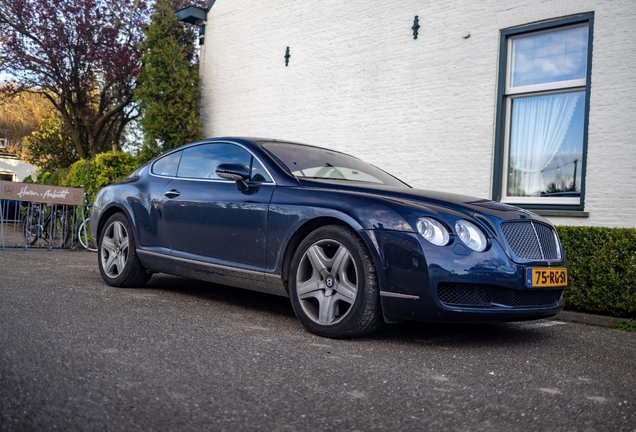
(83, 55)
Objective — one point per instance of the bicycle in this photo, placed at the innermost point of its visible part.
(83, 232)
(48, 223)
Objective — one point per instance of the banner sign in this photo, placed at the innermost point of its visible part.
(41, 193)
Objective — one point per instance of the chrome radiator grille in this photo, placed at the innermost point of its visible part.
(531, 240)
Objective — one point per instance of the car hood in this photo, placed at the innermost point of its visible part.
(421, 198)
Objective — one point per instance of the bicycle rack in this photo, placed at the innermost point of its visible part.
(54, 220)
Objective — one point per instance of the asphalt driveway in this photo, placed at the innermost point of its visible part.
(76, 354)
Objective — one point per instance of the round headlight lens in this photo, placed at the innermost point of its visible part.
(433, 231)
(472, 236)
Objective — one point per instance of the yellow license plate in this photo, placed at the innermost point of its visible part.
(546, 277)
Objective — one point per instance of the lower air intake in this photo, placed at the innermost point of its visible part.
(536, 298)
(464, 294)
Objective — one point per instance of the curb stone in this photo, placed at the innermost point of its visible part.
(584, 318)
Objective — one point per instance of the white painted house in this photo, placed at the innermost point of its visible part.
(12, 168)
(529, 102)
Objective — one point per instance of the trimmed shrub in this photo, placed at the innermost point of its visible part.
(43, 178)
(79, 174)
(602, 273)
(58, 177)
(111, 167)
(105, 169)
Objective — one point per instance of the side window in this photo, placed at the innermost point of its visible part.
(543, 113)
(167, 166)
(200, 162)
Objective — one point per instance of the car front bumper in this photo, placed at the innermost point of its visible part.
(422, 282)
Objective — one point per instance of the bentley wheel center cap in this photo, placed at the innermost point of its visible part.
(330, 282)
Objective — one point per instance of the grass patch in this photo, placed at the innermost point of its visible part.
(628, 326)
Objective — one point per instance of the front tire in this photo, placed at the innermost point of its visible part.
(333, 284)
(117, 256)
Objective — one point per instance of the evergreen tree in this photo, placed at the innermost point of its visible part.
(168, 96)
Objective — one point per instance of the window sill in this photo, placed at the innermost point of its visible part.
(562, 213)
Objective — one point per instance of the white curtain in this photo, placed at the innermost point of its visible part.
(538, 127)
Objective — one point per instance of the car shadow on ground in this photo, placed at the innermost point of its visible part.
(410, 332)
(208, 291)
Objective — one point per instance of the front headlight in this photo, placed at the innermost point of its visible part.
(433, 231)
(472, 236)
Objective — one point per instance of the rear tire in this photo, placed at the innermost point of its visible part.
(117, 256)
(333, 284)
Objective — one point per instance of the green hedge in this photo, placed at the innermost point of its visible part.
(94, 174)
(602, 265)
(106, 168)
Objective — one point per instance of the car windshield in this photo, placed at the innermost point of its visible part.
(318, 163)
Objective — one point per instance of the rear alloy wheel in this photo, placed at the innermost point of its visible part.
(333, 284)
(118, 262)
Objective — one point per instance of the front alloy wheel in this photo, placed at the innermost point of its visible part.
(333, 285)
(118, 262)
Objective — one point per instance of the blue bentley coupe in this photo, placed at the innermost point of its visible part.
(350, 245)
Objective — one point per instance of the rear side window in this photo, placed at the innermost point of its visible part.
(167, 166)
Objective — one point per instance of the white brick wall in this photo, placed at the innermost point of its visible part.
(422, 109)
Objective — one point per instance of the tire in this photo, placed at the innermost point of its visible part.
(333, 284)
(84, 236)
(59, 226)
(117, 256)
(31, 228)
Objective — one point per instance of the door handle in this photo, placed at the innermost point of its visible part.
(172, 193)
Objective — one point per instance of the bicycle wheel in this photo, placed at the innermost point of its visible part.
(31, 226)
(84, 236)
(59, 228)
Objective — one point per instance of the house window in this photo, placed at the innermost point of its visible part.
(543, 107)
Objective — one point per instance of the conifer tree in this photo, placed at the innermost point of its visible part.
(168, 95)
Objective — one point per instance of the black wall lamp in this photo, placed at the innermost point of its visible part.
(196, 16)
(416, 26)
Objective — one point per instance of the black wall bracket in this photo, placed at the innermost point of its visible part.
(416, 27)
(287, 56)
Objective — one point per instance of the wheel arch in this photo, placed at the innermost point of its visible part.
(363, 313)
(107, 213)
(312, 225)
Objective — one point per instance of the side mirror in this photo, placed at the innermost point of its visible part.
(236, 172)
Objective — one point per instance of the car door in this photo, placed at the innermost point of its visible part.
(147, 212)
(208, 218)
